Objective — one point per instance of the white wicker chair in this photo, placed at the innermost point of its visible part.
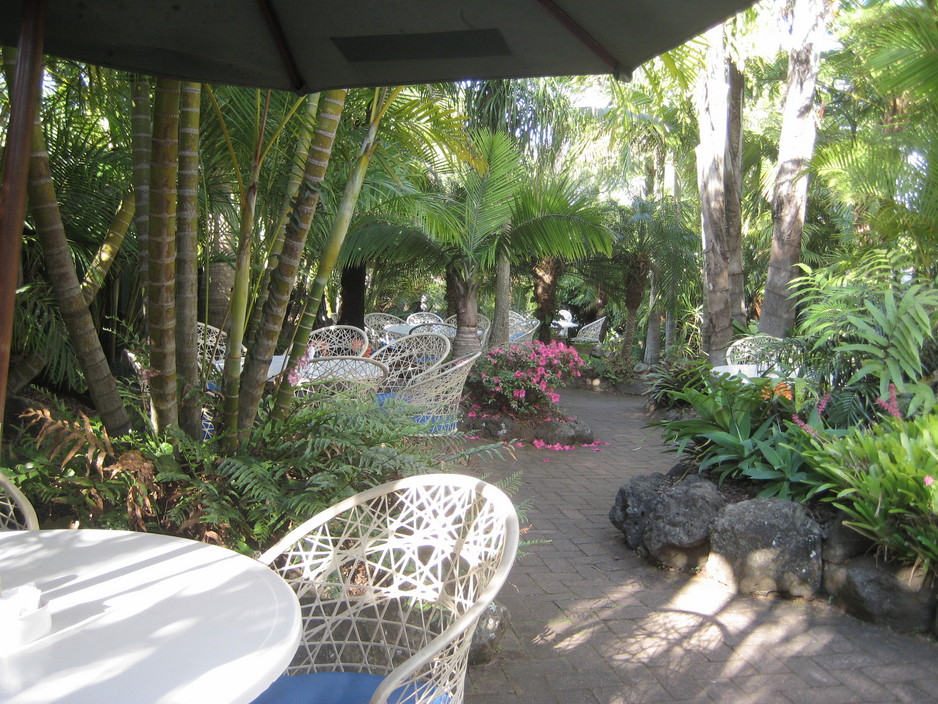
(410, 356)
(374, 326)
(522, 331)
(766, 352)
(423, 317)
(434, 395)
(342, 373)
(515, 318)
(391, 584)
(16, 513)
(213, 346)
(448, 331)
(339, 341)
(591, 332)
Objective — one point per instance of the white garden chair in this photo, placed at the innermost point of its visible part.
(339, 341)
(391, 583)
(374, 326)
(523, 331)
(516, 318)
(342, 373)
(766, 352)
(410, 356)
(213, 346)
(16, 512)
(434, 395)
(423, 317)
(590, 333)
(448, 331)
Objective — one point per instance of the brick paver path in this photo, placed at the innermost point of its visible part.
(593, 624)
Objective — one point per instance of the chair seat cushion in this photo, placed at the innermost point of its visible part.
(333, 688)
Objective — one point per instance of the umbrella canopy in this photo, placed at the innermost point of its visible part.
(305, 45)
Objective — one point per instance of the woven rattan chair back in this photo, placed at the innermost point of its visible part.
(423, 317)
(448, 331)
(590, 332)
(339, 341)
(342, 373)
(410, 356)
(374, 326)
(16, 512)
(392, 582)
(434, 395)
(523, 331)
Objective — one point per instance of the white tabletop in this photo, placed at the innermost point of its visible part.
(399, 329)
(277, 364)
(138, 617)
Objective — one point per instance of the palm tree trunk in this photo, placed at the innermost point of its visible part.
(467, 317)
(711, 181)
(187, 252)
(298, 172)
(499, 333)
(162, 255)
(283, 278)
(60, 268)
(653, 333)
(547, 274)
(795, 149)
(732, 179)
(141, 123)
(330, 254)
(352, 308)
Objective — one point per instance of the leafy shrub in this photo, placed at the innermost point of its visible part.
(671, 377)
(746, 429)
(286, 471)
(519, 380)
(886, 480)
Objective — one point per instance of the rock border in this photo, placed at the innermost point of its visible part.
(769, 546)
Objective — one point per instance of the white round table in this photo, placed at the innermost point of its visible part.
(138, 617)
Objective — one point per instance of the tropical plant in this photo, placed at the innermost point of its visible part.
(884, 479)
(519, 380)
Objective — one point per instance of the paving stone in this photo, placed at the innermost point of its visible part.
(594, 624)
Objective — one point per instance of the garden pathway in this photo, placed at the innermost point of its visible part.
(591, 623)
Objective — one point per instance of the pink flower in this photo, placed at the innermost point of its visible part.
(519, 444)
(471, 414)
(929, 480)
(546, 460)
(891, 406)
(804, 426)
(519, 393)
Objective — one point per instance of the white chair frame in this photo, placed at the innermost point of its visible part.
(393, 581)
(213, 346)
(374, 326)
(423, 317)
(411, 355)
(591, 332)
(522, 331)
(16, 512)
(342, 373)
(443, 329)
(434, 395)
(339, 341)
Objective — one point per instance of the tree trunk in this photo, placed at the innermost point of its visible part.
(60, 268)
(283, 278)
(795, 149)
(669, 333)
(162, 255)
(712, 157)
(187, 252)
(467, 318)
(634, 293)
(547, 273)
(304, 140)
(733, 191)
(653, 333)
(352, 307)
(330, 254)
(141, 122)
(498, 335)
(452, 292)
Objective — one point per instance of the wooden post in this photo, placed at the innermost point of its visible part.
(24, 100)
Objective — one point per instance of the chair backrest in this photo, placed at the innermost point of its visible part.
(374, 326)
(434, 395)
(213, 345)
(16, 513)
(423, 317)
(339, 341)
(767, 352)
(392, 581)
(483, 327)
(443, 329)
(591, 331)
(409, 356)
(523, 331)
(342, 373)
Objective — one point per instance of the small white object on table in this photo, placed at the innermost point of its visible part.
(145, 618)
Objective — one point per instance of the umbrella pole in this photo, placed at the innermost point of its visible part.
(24, 99)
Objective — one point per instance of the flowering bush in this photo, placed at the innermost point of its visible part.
(519, 380)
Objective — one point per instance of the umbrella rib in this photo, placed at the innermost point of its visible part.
(280, 39)
(552, 9)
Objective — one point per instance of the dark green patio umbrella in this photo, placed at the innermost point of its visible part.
(310, 45)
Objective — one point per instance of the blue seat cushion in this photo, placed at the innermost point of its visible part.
(333, 688)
